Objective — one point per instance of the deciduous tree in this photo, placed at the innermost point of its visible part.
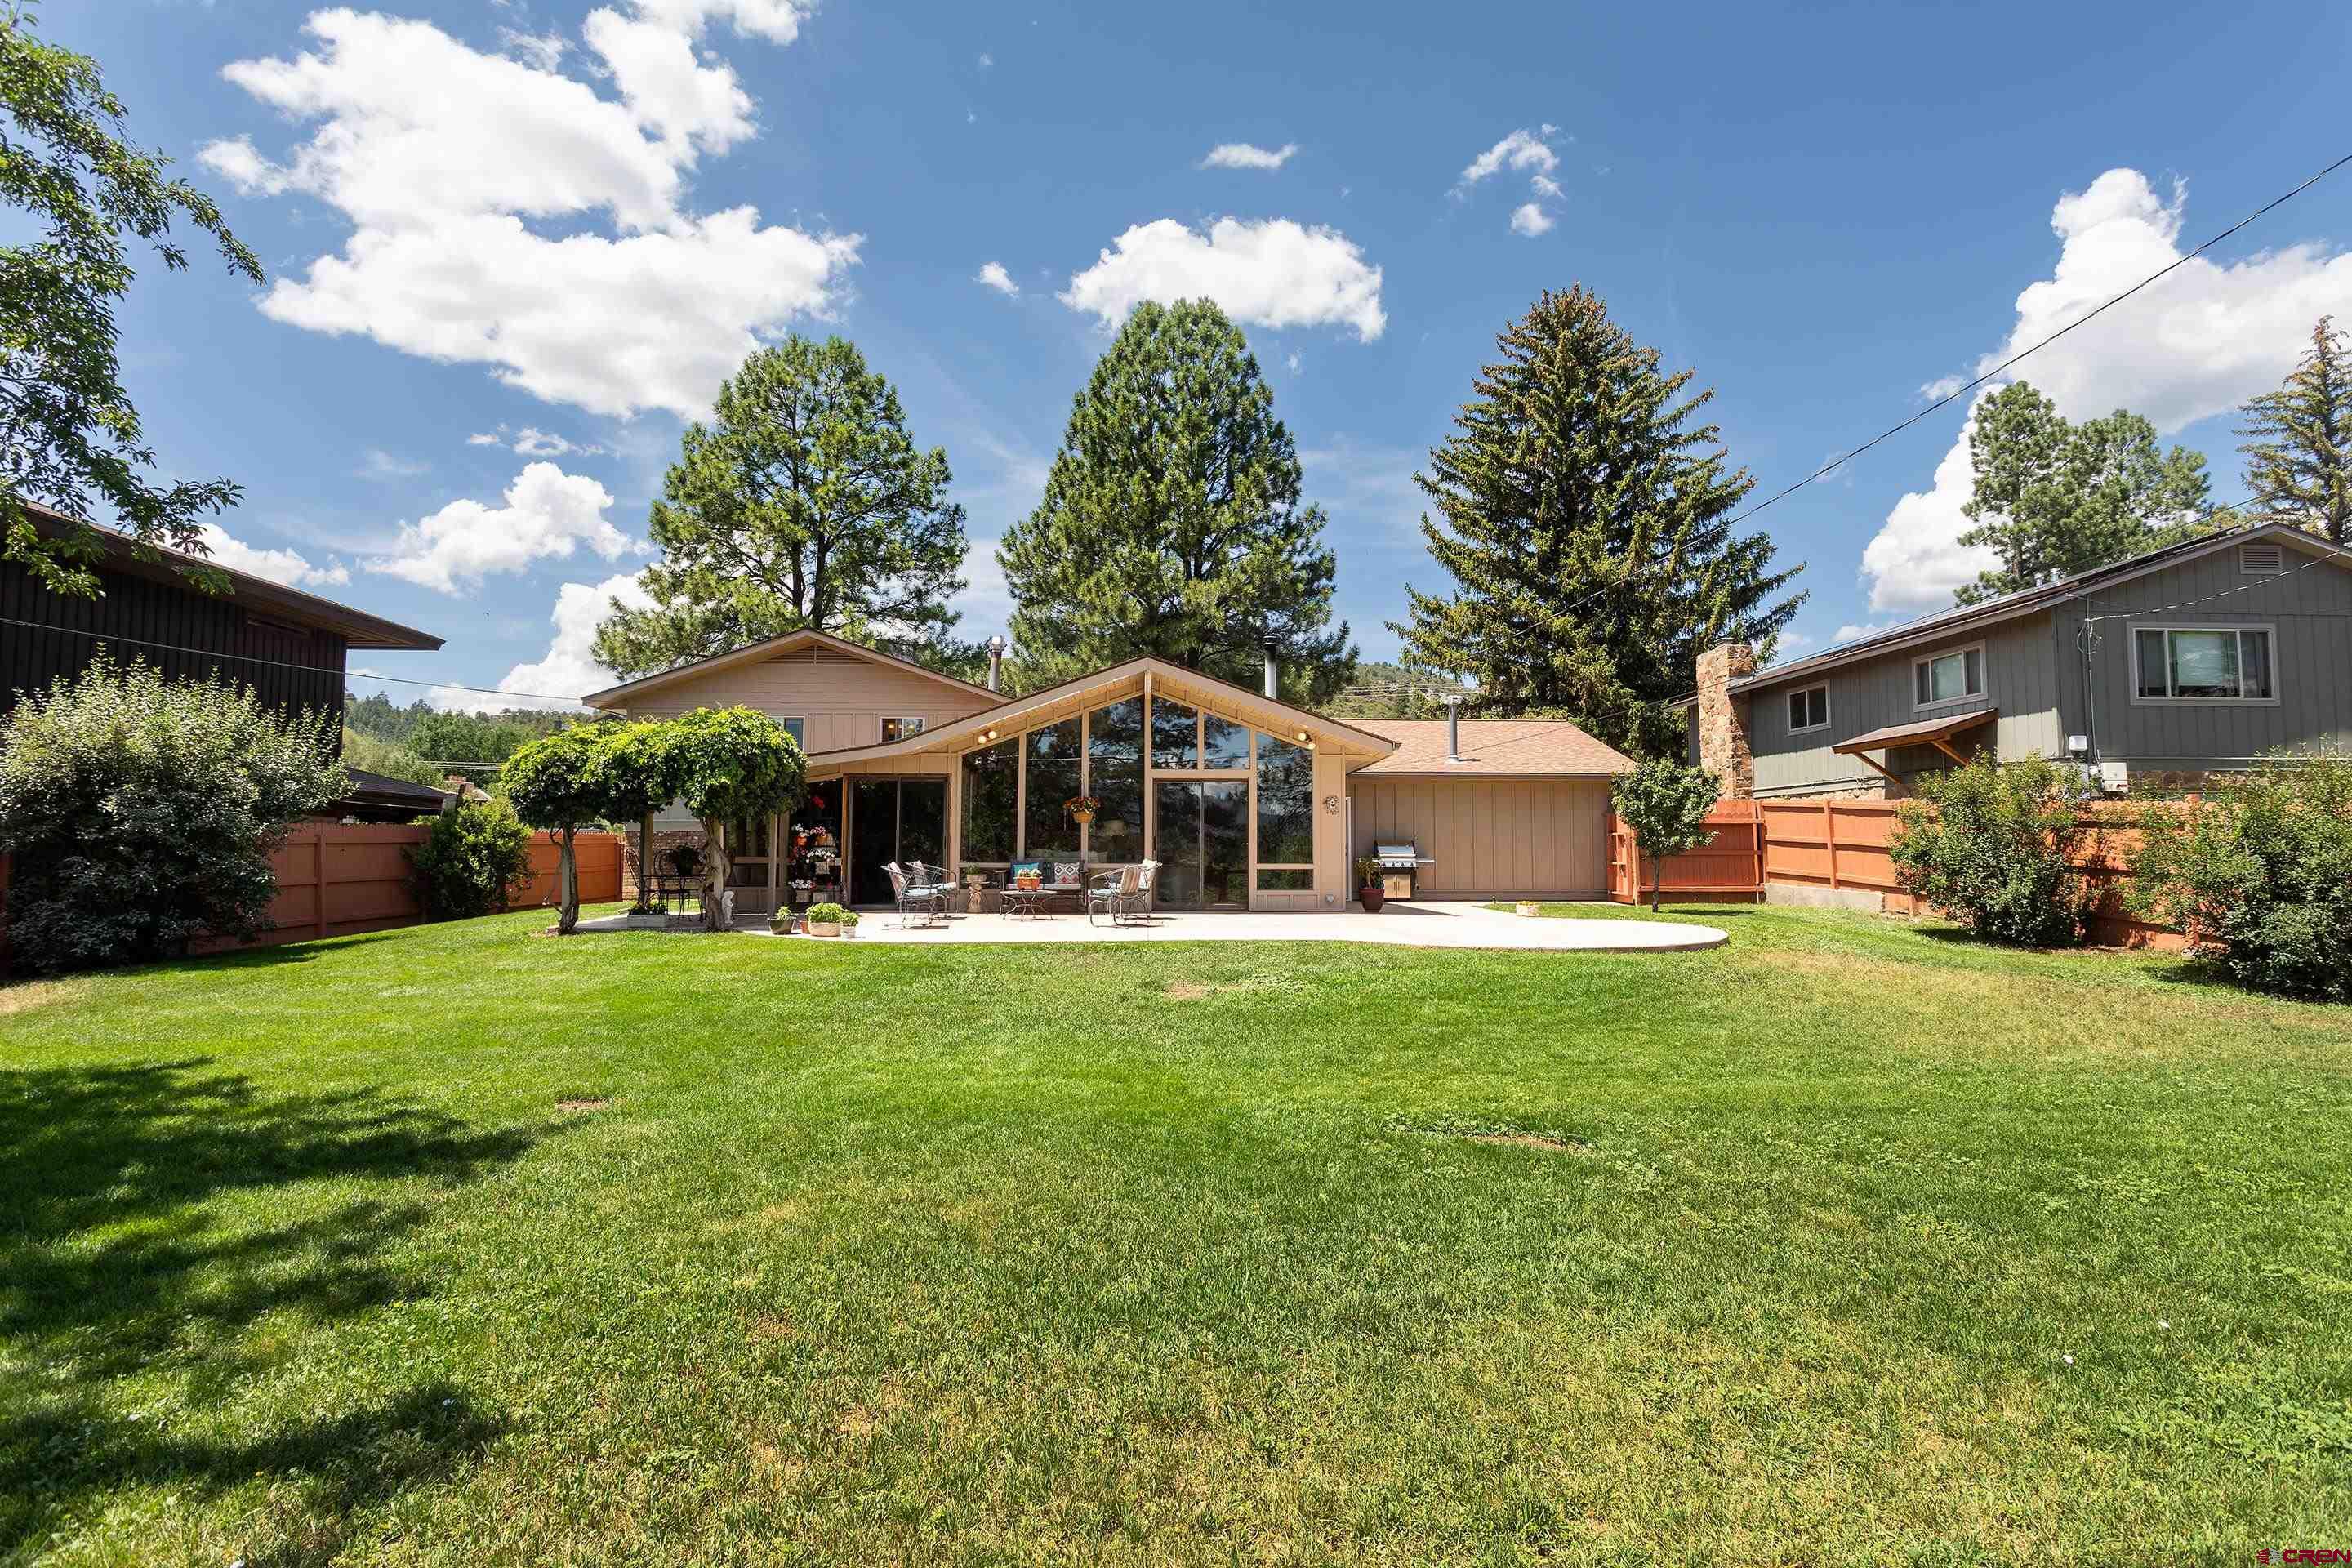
(1586, 523)
(1665, 803)
(732, 765)
(1173, 524)
(802, 505)
(557, 783)
(69, 434)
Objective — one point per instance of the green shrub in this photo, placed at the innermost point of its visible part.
(2258, 873)
(1997, 847)
(470, 860)
(1665, 803)
(140, 812)
(826, 914)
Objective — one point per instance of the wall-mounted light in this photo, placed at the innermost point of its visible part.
(1302, 735)
(992, 734)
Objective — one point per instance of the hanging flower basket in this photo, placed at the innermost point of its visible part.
(1082, 809)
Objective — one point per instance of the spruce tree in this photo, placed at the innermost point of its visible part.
(1172, 523)
(1585, 521)
(2299, 463)
(804, 505)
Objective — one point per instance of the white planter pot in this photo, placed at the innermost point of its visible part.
(1529, 909)
(824, 927)
(657, 920)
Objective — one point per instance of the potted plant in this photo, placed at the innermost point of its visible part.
(781, 922)
(1367, 885)
(685, 859)
(848, 924)
(1529, 909)
(824, 920)
(1082, 809)
(647, 917)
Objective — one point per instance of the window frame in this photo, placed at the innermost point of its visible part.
(2167, 628)
(885, 721)
(1984, 678)
(788, 722)
(1823, 687)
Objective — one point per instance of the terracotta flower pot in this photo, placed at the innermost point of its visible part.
(1372, 898)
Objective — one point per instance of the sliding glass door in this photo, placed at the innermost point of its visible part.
(1202, 837)
(894, 819)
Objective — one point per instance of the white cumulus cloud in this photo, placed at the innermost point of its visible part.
(1246, 155)
(1270, 273)
(1530, 220)
(547, 513)
(2197, 344)
(287, 566)
(569, 669)
(506, 215)
(993, 274)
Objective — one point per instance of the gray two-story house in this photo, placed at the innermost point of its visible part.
(2199, 657)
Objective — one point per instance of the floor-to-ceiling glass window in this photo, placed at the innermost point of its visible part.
(890, 819)
(991, 800)
(1202, 839)
(1115, 778)
(1054, 761)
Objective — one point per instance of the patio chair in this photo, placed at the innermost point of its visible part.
(924, 879)
(1147, 874)
(1112, 892)
(911, 900)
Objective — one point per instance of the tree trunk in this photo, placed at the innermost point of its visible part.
(644, 859)
(567, 887)
(714, 874)
(1657, 879)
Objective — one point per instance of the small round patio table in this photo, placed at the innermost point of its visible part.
(1029, 902)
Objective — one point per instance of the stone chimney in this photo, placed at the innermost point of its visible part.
(1723, 718)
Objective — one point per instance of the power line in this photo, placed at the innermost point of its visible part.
(1837, 463)
(343, 675)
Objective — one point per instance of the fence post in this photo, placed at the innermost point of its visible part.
(1756, 835)
(1829, 837)
(319, 876)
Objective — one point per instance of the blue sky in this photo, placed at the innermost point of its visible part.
(511, 246)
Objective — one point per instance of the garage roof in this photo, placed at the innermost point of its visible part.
(1496, 747)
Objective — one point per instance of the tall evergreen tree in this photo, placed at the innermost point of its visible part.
(2052, 498)
(804, 505)
(1585, 521)
(2299, 461)
(1172, 523)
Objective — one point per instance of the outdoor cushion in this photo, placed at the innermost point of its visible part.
(1065, 870)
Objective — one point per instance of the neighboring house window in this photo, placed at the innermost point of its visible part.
(1809, 710)
(798, 729)
(1943, 678)
(899, 729)
(2202, 664)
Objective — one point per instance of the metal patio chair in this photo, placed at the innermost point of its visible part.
(912, 901)
(1111, 893)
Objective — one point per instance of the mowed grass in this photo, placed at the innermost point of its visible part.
(461, 1244)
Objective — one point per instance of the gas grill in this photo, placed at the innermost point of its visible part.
(1400, 867)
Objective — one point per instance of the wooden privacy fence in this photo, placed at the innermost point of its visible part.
(335, 879)
(1841, 846)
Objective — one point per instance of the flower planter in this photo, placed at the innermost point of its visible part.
(650, 920)
(824, 927)
(1529, 909)
(1372, 899)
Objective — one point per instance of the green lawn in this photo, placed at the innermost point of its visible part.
(1172, 1255)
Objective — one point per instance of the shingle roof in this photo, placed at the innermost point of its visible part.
(1495, 746)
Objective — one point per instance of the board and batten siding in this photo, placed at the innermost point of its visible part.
(1491, 838)
(2310, 613)
(2021, 680)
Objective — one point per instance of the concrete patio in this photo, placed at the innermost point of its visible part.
(1398, 925)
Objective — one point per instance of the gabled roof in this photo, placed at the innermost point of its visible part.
(773, 648)
(1109, 684)
(2033, 601)
(1551, 748)
(247, 592)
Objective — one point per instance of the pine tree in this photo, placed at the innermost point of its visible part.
(1585, 522)
(2053, 499)
(1172, 523)
(2299, 463)
(804, 505)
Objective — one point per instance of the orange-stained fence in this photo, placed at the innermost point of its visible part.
(335, 879)
(1842, 846)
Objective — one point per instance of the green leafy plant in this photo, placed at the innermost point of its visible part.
(470, 861)
(1999, 848)
(2257, 872)
(1665, 803)
(141, 812)
(1367, 872)
(558, 784)
(826, 915)
(730, 764)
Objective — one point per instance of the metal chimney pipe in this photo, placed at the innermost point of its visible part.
(1272, 669)
(996, 646)
(1454, 727)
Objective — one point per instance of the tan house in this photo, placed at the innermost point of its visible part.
(1245, 801)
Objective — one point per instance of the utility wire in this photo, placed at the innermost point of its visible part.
(343, 675)
(1835, 463)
